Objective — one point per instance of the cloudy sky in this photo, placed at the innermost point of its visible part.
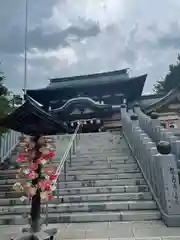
(73, 37)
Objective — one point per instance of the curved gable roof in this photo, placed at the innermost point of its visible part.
(170, 96)
(85, 100)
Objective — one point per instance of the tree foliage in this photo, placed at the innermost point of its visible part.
(5, 103)
(171, 80)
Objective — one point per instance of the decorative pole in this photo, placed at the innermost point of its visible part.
(25, 47)
(39, 185)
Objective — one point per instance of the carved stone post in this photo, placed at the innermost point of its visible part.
(168, 183)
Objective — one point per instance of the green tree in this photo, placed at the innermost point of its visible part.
(171, 80)
(5, 102)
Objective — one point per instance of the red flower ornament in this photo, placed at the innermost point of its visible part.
(42, 161)
(32, 175)
(52, 177)
(50, 197)
(20, 159)
(34, 166)
(49, 155)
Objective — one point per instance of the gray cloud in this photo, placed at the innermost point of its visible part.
(12, 42)
(44, 41)
(80, 37)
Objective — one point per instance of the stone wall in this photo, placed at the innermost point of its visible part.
(157, 164)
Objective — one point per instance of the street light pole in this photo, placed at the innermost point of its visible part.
(25, 47)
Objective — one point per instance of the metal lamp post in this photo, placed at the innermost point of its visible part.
(25, 48)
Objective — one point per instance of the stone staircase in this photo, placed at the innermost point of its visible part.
(104, 183)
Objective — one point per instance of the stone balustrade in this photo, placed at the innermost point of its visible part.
(157, 164)
(152, 126)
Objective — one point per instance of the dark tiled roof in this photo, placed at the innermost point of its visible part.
(166, 99)
(123, 72)
(31, 119)
(94, 82)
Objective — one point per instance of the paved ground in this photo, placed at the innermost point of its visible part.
(153, 230)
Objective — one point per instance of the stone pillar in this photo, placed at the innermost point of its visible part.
(168, 183)
(155, 122)
(136, 108)
(134, 119)
(123, 110)
(175, 148)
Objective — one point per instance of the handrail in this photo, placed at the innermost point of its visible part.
(72, 144)
(8, 143)
(64, 158)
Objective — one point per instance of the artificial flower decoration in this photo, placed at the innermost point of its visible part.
(20, 159)
(50, 197)
(44, 150)
(41, 161)
(52, 177)
(34, 166)
(44, 195)
(46, 185)
(26, 171)
(18, 187)
(51, 155)
(34, 155)
(32, 175)
(23, 198)
(32, 191)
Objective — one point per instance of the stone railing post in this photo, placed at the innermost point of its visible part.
(152, 126)
(144, 120)
(155, 124)
(158, 167)
(134, 119)
(168, 183)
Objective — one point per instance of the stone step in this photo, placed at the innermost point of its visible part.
(82, 168)
(87, 198)
(99, 158)
(103, 166)
(87, 183)
(100, 183)
(100, 162)
(111, 176)
(105, 189)
(84, 190)
(108, 197)
(82, 207)
(103, 146)
(136, 215)
(104, 171)
(86, 162)
(88, 172)
(103, 150)
(101, 155)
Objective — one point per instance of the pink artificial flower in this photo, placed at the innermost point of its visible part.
(34, 166)
(50, 197)
(32, 175)
(47, 185)
(42, 161)
(44, 185)
(39, 160)
(52, 177)
(41, 184)
(20, 159)
(49, 156)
